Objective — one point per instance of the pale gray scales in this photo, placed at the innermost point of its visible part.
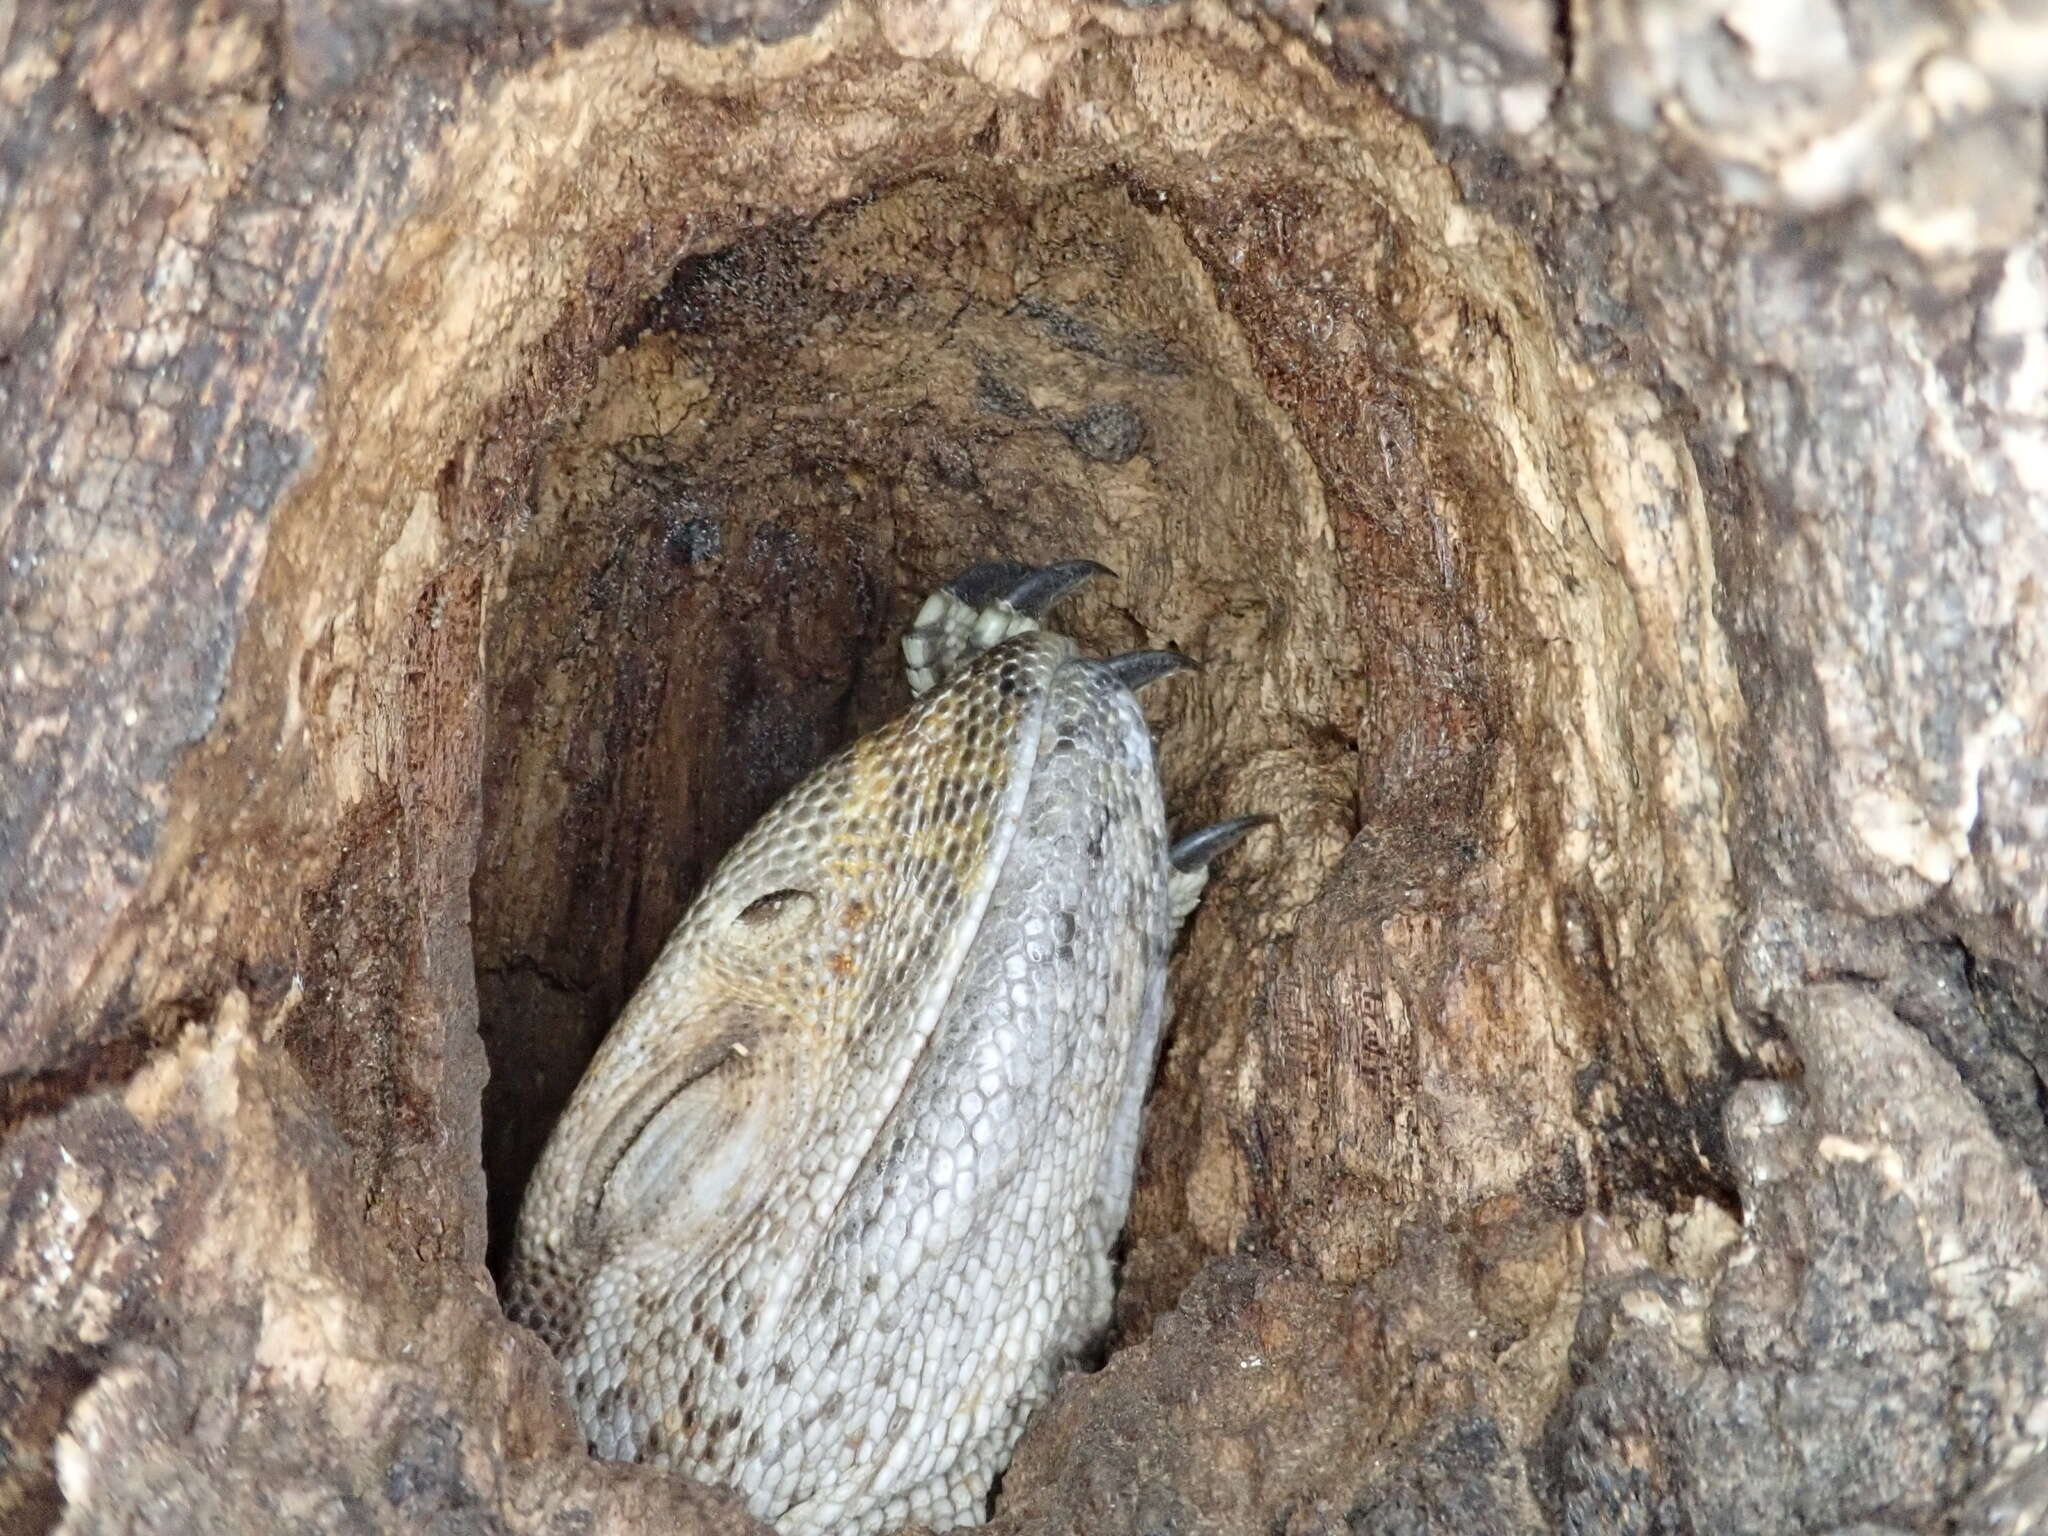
(834, 1204)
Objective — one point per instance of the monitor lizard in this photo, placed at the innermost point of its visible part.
(834, 1204)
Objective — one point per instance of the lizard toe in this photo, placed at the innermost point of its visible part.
(1191, 856)
(982, 607)
(1035, 591)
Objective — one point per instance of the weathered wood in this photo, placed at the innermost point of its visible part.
(460, 467)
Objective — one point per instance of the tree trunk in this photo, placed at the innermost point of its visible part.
(462, 467)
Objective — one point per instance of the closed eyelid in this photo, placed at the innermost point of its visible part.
(641, 1110)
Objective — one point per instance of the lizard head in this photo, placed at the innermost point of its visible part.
(802, 985)
(838, 1193)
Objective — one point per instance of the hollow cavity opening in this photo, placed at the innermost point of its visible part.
(807, 431)
(1450, 588)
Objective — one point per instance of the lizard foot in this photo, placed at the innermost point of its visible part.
(1191, 856)
(983, 606)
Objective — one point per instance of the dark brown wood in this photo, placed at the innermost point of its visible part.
(458, 464)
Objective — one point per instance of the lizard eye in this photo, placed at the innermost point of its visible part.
(776, 906)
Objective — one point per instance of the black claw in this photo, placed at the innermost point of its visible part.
(1028, 589)
(980, 585)
(1042, 588)
(1134, 669)
(1200, 849)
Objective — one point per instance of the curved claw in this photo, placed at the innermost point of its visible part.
(1035, 591)
(980, 608)
(987, 581)
(1134, 669)
(1198, 850)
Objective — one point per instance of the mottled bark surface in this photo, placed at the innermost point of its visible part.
(462, 467)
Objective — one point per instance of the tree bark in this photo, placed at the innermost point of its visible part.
(463, 467)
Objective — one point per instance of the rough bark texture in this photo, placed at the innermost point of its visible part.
(256, 1359)
(462, 466)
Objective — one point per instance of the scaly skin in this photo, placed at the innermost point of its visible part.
(833, 1206)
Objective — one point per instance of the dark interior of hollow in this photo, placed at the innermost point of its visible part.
(804, 432)
(674, 651)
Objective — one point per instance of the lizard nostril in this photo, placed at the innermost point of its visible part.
(764, 909)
